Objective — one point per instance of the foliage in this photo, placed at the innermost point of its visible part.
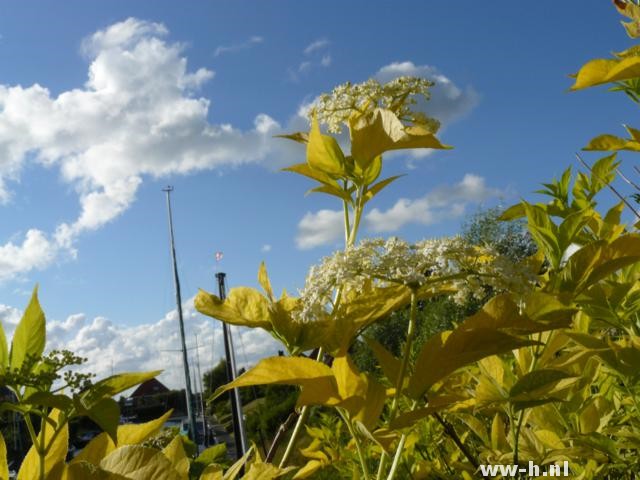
(544, 371)
(40, 382)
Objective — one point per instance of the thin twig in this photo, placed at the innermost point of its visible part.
(622, 175)
(279, 436)
(616, 193)
(451, 432)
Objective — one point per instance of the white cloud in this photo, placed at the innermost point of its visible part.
(153, 346)
(316, 45)
(325, 227)
(137, 115)
(448, 103)
(325, 61)
(255, 40)
(321, 228)
(265, 248)
(444, 202)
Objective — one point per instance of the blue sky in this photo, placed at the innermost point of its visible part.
(104, 103)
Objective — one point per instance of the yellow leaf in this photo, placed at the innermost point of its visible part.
(30, 467)
(324, 153)
(549, 439)
(612, 143)
(4, 468)
(381, 131)
(316, 379)
(244, 306)
(135, 434)
(498, 436)
(444, 353)
(139, 463)
(601, 71)
(263, 279)
(265, 471)
(98, 448)
(174, 451)
(212, 472)
(305, 170)
(309, 469)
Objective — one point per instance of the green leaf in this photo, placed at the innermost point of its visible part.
(535, 381)
(324, 153)
(390, 365)
(106, 414)
(49, 400)
(30, 335)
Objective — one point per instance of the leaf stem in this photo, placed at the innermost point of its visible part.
(356, 440)
(399, 384)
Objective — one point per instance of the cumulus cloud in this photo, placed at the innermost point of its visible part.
(325, 227)
(445, 202)
(320, 228)
(265, 248)
(137, 115)
(448, 102)
(252, 41)
(110, 347)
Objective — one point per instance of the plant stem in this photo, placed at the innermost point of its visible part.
(451, 432)
(516, 439)
(304, 414)
(399, 384)
(42, 451)
(396, 458)
(356, 440)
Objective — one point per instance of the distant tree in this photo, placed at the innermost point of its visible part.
(485, 228)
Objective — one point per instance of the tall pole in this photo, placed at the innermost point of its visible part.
(185, 362)
(204, 418)
(236, 405)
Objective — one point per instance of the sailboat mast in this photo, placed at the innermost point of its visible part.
(192, 419)
(237, 416)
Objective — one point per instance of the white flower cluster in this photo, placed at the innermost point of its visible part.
(398, 95)
(394, 261)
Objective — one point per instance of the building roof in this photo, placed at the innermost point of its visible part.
(150, 387)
